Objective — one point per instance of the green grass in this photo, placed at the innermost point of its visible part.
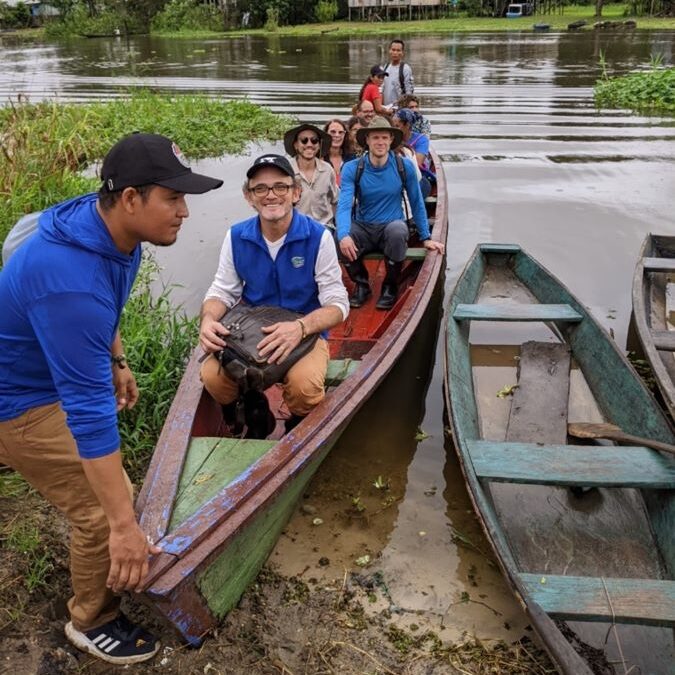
(23, 537)
(458, 23)
(158, 338)
(44, 147)
(651, 92)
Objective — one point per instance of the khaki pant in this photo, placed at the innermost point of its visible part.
(39, 445)
(303, 384)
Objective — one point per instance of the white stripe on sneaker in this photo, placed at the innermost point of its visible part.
(110, 647)
(98, 638)
(105, 642)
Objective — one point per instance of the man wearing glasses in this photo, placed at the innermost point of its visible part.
(279, 257)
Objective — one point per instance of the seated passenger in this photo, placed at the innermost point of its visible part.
(364, 109)
(319, 194)
(404, 120)
(371, 90)
(355, 123)
(370, 213)
(412, 102)
(278, 257)
(339, 150)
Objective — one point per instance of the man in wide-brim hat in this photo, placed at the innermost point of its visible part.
(319, 192)
(370, 211)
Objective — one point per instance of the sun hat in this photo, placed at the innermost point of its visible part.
(291, 135)
(278, 161)
(379, 124)
(151, 159)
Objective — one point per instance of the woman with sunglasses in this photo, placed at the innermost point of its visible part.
(340, 149)
(372, 90)
(318, 197)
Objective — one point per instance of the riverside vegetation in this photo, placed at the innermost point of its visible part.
(651, 92)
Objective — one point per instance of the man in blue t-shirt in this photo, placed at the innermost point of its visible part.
(64, 376)
(370, 215)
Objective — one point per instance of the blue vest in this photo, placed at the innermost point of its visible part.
(287, 281)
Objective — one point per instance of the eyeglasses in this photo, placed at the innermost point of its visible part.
(262, 190)
(337, 132)
(313, 140)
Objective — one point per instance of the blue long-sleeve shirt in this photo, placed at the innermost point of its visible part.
(62, 295)
(380, 196)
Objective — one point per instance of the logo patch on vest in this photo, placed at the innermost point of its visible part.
(297, 261)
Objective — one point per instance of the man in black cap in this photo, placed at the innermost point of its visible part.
(64, 376)
(283, 258)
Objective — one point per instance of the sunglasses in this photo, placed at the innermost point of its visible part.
(313, 140)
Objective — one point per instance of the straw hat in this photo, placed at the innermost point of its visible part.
(292, 134)
(379, 124)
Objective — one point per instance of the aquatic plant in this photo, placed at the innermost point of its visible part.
(44, 147)
(651, 92)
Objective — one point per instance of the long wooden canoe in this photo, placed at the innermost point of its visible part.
(215, 504)
(654, 270)
(584, 533)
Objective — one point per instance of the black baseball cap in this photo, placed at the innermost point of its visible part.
(379, 70)
(279, 161)
(151, 159)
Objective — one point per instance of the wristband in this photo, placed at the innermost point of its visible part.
(120, 360)
(304, 329)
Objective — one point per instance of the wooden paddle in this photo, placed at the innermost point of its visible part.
(613, 433)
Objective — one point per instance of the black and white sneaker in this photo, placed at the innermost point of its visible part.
(118, 641)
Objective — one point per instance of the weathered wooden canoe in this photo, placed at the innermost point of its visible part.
(584, 533)
(215, 504)
(654, 270)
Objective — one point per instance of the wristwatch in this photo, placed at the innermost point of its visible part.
(120, 360)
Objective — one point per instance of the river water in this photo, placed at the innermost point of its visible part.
(528, 160)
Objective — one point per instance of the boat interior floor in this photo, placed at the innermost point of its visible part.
(599, 532)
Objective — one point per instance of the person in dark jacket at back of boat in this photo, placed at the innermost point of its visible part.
(280, 257)
(64, 377)
(370, 214)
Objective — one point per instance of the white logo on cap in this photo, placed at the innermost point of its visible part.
(179, 155)
(269, 160)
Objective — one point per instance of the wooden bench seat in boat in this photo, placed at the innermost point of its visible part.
(649, 602)
(659, 264)
(572, 465)
(664, 340)
(418, 253)
(516, 312)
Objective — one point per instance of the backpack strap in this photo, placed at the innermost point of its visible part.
(401, 78)
(360, 168)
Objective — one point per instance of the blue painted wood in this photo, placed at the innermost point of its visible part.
(659, 264)
(649, 602)
(499, 248)
(515, 312)
(585, 466)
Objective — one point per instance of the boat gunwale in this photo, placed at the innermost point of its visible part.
(641, 301)
(294, 448)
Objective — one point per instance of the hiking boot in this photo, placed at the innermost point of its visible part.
(119, 641)
(387, 296)
(359, 275)
(389, 285)
(361, 293)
